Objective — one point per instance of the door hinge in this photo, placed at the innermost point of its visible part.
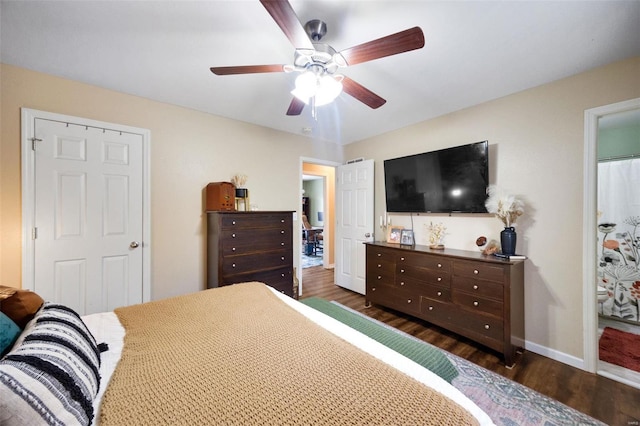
(33, 142)
(34, 233)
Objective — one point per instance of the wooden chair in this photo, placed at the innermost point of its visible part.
(311, 236)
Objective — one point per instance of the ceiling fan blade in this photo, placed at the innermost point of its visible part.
(393, 44)
(247, 69)
(361, 93)
(282, 12)
(295, 107)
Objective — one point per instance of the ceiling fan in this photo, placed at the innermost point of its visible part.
(317, 63)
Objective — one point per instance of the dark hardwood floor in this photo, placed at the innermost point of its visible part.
(607, 400)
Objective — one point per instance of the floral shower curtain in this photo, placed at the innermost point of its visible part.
(619, 239)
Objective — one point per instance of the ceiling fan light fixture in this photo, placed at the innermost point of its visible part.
(324, 88)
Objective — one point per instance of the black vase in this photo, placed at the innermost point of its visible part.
(508, 240)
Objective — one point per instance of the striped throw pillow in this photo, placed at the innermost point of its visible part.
(51, 375)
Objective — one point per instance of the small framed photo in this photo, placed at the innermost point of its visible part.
(394, 233)
(406, 237)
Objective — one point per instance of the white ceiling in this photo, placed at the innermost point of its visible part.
(475, 51)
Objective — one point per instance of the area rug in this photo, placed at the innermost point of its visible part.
(311, 261)
(620, 348)
(507, 403)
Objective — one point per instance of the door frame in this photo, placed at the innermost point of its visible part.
(589, 309)
(28, 117)
(328, 238)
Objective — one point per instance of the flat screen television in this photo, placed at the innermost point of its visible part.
(451, 180)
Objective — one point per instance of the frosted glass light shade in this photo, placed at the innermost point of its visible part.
(324, 88)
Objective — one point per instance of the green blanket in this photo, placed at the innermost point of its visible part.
(420, 352)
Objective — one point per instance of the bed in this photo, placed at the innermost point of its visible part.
(241, 354)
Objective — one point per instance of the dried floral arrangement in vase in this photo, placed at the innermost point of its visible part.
(507, 208)
(436, 235)
(239, 181)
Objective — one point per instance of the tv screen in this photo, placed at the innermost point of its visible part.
(444, 181)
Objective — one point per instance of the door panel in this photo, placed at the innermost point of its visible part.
(354, 212)
(88, 214)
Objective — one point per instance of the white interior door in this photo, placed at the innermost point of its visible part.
(88, 215)
(354, 223)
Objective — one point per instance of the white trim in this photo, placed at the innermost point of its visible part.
(590, 313)
(28, 117)
(555, 355)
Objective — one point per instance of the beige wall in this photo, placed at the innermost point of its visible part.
(188, 150)
(536, 146)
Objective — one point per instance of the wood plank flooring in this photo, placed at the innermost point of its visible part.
(607, 400)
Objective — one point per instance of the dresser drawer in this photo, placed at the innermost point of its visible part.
(435, 311)
(479, 270)
(281, 279)
(375, 254)
(478, 304)
(429, 276)
(233, 265)
(244, 220)
(380, 276)
(376, 266)
(487, 330)
(245, 240)
(433, 292)
(396, 299)
(422, 261)
(482, 288)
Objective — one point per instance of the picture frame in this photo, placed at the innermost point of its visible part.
(394, 234)
(406, 237)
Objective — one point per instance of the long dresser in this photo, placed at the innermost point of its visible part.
(477, 296)
(250, 246)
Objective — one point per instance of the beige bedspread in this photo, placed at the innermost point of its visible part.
(238, 355)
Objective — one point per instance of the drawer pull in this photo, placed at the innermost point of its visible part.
(439, 293)
(281, 220)
(233, 222)
(373, 289)
(233, 235)
(475, 271)
(475, 287)
(379, 254)
(439, 279)
(431, 308)
(486, 326)
(379, 277)
(282, 275)
(282, 258)
(379, 265)
(282, 243)
(233, 249)
(476, 303)
(282, 232)
(402, 259)
(233, 265)
(402, 271)
(439, 265)
(401, 282)
(408, 300)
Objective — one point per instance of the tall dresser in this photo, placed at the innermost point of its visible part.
(250, 246)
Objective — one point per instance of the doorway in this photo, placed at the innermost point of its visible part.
(612, 159)
(320, 178)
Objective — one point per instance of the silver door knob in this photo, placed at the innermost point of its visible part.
(134, 244)
(367, 235)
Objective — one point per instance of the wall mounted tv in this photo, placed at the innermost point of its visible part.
(451, 180)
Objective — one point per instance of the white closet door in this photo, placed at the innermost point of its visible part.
(88, 216)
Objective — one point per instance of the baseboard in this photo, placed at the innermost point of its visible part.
(555, 355)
